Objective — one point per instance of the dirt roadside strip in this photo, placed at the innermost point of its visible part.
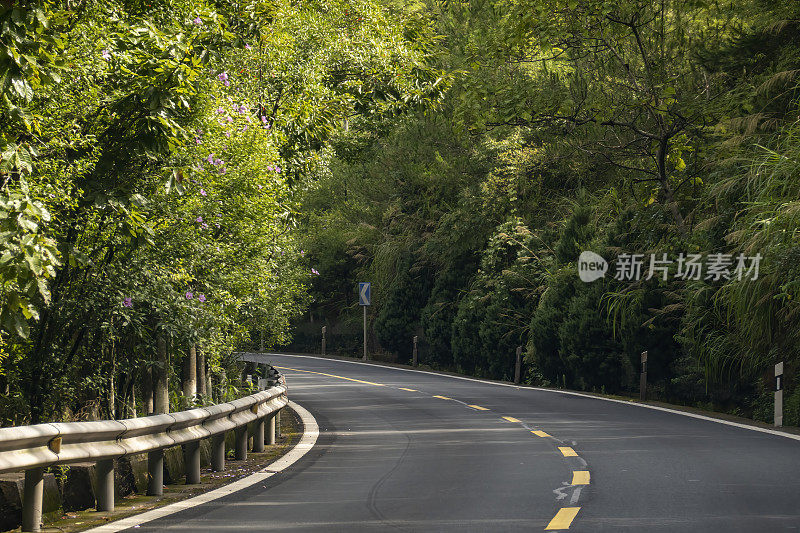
(295, 440)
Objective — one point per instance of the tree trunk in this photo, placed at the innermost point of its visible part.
(148, 400)
(190, 373)
(160, 378)
(201, 373)
(666, 188)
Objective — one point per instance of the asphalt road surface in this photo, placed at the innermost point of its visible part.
(411, 451)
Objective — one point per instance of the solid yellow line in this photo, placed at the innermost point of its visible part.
(510, 419)
(409, 390)
(540, 433)
(330, 375)
(580, 477)
(443, 397)
(563, 518)
(567, 451)
(479, 408)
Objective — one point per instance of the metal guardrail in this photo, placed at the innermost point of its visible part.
(34, 448)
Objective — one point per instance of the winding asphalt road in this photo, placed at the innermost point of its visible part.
(402, 450)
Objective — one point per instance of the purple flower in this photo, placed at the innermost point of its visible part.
(217, 225)
(222, 170)
(197, 140)
(217, 162)
(202, 192)
(260, 187)
(249, 119)
(263, 119)
(210, 158)
(219, 215)
(204, 225)
(220, 111)
(248, 47)
(199, 219)
(315, 271)
(245, 128)
(223, 76)
(199, 131)
(229, 119)
(106, 55)
(127, 302)
(201, 297)
(242, 110)
(197, 21)
(228, 134)
(270, 168)
(188, 295)
(227, 83)
(302, 253)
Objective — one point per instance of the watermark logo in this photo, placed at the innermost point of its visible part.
(633, 267)
(591, 266)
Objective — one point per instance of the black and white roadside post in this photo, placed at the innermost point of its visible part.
(643, 378)
(324, 331)
(414, 353)
(518, 366)
(779, 394)
(364, 300)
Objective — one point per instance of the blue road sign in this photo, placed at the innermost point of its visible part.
(364, 297)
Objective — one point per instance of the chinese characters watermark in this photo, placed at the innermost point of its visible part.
(693, 266)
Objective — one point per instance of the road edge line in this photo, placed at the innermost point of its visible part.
(556, 391)
(303, 446)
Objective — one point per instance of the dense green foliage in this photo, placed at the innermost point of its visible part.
(619, 127)
(151, 158)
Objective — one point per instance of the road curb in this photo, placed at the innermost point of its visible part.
(303, 446)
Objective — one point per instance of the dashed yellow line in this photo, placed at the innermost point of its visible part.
(478, 407)
(443, 397)
(330, 376)
(566, 451)
(409, 390)
(580, 477)
(563, 518)
(540, 433)
(510, 419)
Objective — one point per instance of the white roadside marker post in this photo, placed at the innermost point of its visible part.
(779, 394)
(643, 378)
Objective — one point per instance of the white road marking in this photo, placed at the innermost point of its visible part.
(554, 391)
(307, 441)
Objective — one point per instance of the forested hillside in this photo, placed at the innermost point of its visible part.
(187, 178)
(669, 129)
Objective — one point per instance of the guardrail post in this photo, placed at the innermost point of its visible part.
(258, 436)
(33, 497)
(104, 470)
(324, 331)
(191, 462)
(240, 452)
(414, 353)
(518, 366)
(271, 428)
(155, 471)
(218, 452)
